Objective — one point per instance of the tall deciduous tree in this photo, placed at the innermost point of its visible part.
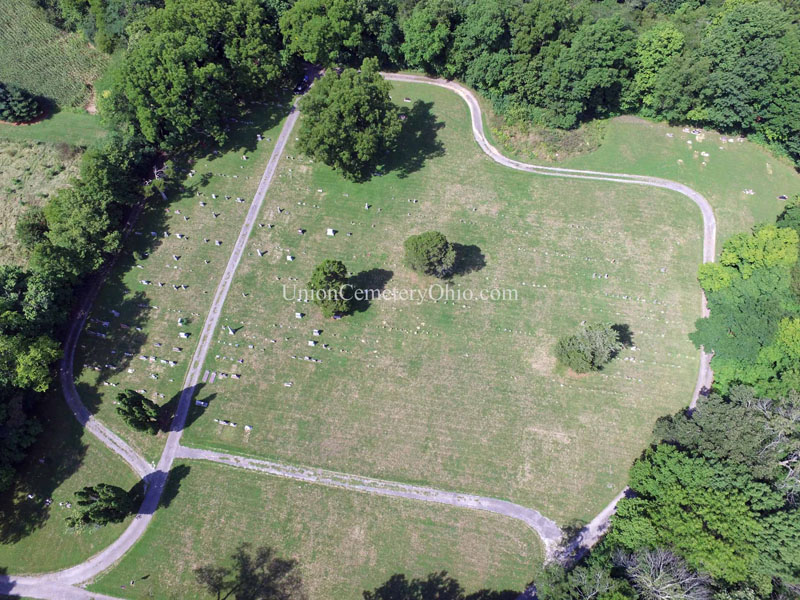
(321, 30)
(349, 121)
(329, 284)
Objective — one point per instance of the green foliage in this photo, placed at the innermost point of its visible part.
(191, 65)
(430, 253)
(321, 30)
(329, 285)
(16, 105)
(102, 504)
(769, 246)
(655, 49)
(25, 361)
(349, 121)
(428, 35)
(138, 411)
(19, 433)
(31, 227)
(590, 349)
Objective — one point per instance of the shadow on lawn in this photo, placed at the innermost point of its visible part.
(469, 258)
(51, 460)
(6, 586)
(374, 280)
(418, 140)
(436, 586)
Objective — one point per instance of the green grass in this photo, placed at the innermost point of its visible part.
(34, 538)
(44, 60)
(460, 395)
(156, 310)
(29, 173)
(633, 145)
(76, 129)
(345, 542)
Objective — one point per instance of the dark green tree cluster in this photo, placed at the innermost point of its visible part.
(137, 411)
(349, 121)
(330, 288)
(430, 253)
(590, 349)
(754, 326)
(734, 66)
(102, 504)
(192, 65)
(16, 105)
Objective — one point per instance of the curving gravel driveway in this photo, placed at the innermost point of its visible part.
(62, 584)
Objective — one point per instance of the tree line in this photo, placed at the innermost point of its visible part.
(732, 65)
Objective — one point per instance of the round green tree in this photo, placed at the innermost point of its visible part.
(430, 253)
(330, 288)
(349, 121)
(17, 105)
(590, 349)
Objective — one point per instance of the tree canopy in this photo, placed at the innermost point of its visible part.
(349, 121)
(590, 349)
(137, 411)
(430, 253)
(102, 504)
(330, 288)
(16, 105)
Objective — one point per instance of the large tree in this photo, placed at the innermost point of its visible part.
(590, 349)
(330, 288)
(321, 30)
(349, 121)
(430, 253)
(256, 574)
(192, 64)
(137, 411)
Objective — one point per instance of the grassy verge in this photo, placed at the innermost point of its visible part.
(73, 128)
(345, 542)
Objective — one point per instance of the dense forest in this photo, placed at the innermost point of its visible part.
(713, 509)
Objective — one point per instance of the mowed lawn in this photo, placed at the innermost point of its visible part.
(29, 173)
(34, 537)
(141, 349)
(461, 395)
(344, 542)
(719, 166)
(73, 128)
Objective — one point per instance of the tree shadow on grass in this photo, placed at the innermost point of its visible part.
(6, 586)
(468, 259)
(168, 409)
(53, 458)
(176, 476)
(371, 283)
(418, 141)
(436, 586)
(625, 334)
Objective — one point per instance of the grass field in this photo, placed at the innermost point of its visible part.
(29, 173)
(459, 395)
(35, 537)
(44, 60)
(148, 314)
(633, 145)
(76, 129)
(344, 542)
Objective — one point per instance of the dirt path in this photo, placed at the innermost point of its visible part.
(61, 584)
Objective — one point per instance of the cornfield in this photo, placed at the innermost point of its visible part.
(44, 60)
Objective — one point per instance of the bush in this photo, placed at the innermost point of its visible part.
(430, 253)
(590, 349)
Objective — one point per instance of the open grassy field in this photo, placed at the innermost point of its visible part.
(720, 170)
(112, 348)
(29, 173)
(44, 60)
(460, 395)
(76, 129)
(34, 537)
(344, 542)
